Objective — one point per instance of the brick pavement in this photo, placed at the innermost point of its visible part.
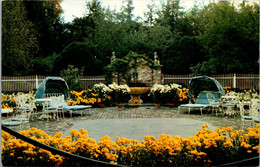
(64, 124)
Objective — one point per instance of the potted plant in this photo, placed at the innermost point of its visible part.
(102, 90)
(157, 91)
(171, 93)
(119, 92)
(113, 87)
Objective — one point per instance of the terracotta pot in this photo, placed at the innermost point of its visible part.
(171, 105)
(120, 105)
(157, 105)
(101, 105)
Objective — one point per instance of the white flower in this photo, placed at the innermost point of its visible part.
(102, 87)
(123, 88)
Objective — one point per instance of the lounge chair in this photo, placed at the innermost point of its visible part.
(201, 103)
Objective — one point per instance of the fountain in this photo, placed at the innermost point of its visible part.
(138, 71)
(137, 89)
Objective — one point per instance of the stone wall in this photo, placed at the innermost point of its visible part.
(146, 75)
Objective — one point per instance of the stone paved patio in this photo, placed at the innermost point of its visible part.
(64, 124)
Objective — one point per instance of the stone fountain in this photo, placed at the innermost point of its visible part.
(137, 89)
(141, 74)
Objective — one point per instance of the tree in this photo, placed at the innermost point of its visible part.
(79, 54)
(150, 14)
(46, 17)
(72, 76)
(19, 39)
(180, 54)
(170, 15)
(229, 36)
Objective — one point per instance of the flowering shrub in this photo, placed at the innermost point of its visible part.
(205, 148)
(171, 92)
(118, 91)
(247, 95)
(7, 101)
(183, 95)
(102, 90)
(156, 91)
(86, 97)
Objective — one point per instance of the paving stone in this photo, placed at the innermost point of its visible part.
(127, 113)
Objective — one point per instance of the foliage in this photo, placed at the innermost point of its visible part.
(46, 17)
(222, 34)
(247, 95)
(19, 39)
(81, 55)
(179, 54)
(8, 101)
(118, 92)
(157, 91)
(205, 148)
(204, 68)
(44, 65)
(228, 36)
(72, 76)
(102, 90)
(131, 61)
(87, 97)
(171, 92)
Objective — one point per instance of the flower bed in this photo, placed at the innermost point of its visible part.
(205, 148)
(7, 101)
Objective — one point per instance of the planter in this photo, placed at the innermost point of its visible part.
(120, 105)
(101, 105)
(157, 105)
(171, 105)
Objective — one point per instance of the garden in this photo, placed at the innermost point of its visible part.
(141, 65)
(205, 148)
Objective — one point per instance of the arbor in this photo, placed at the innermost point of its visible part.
(19, 39)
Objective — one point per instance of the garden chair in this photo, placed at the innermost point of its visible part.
(244, 118)
(254, 111)
(201, 103)
(62, 106)
(214, 104)
(51, 108)
(25, 105)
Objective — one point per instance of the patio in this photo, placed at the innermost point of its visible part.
(110, 113)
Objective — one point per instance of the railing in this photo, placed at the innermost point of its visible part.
(29, 83)
(241, 81)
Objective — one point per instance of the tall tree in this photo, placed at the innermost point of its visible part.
(150, 14)
(170, 15)
(19, 42)
(46, 16)
(229, 36)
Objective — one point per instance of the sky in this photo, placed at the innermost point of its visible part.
(77, 8)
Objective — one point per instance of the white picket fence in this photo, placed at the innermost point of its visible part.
(29, 83)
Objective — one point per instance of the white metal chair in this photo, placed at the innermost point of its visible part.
(254, 111)
(213, 103)
(244, 118)
(51, 108)
(25, 105)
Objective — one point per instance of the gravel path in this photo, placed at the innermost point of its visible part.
(64, 124)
